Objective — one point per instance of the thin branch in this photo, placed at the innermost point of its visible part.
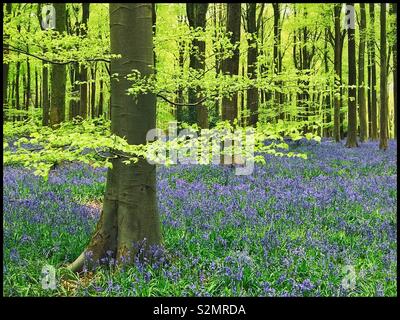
(14, 49)
(182, 104)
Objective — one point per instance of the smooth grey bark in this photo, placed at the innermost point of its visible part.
(129, 212)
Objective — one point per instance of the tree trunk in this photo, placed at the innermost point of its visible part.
(352, 102)
(196, 13)
(181, 63)
(277, 58)
(45, 95)
(338, 68)
(231, 65)
(36, 89)
(371, 45)
(101, 96)
(394, 49)
(83, 72)
(383, 143)
(17, 102)
(93, 92)
(28, 87)
(58, 74)
(361, 83)
(252, 92)
(369, 92)
(5, 65)
(129, 214)
(327, 116)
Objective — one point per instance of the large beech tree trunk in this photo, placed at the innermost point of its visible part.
(129, 212)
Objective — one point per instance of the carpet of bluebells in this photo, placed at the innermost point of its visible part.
(325, 226)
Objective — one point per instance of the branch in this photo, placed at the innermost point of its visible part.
(14, 49)
(177, 104)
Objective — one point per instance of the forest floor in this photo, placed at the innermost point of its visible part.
(325, 226)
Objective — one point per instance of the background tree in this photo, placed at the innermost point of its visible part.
(252, 29)
(394, 49)
(58, 74)
(196, 13)
(45, 78)
(352, 102)
(277, 59)
(230, 66)
(5, 65)
(383, 142)
(361, 72)
(338, 72)
(84, 70)
(372, 84)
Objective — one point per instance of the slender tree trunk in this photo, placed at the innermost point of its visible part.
(84, 71)
(28, 87)
(231, 65)
(58, 74)
(352, 102)
(196, 13)
(45, 95)
(5, 65)
(374, 109)
(327, 97)
(394, 49)
(93, 91)
(338, 68)
(361, 83)
(252, 92)
(369, 91)
(383, 143)
(36, 89)
(181, 57)
(17, 102)
(129, 214)
(101, 96)
(277, 58)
